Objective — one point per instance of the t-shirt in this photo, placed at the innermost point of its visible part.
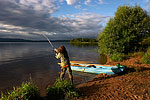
(63, 59)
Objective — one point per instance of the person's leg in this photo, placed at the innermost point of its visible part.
(70, 74)
(62, 74)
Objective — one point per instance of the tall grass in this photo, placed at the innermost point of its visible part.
(146, 58)
(62, 90)
(27, 91)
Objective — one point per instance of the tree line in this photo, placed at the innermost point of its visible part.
(80, 40)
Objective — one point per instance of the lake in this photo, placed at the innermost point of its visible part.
(21, 60)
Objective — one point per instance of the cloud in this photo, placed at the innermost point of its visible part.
(28, 19)
(87, 2)
(101, 1)
(147, 7)
(87, 24)
(91, 2)
(71, 2)
(16, 14)
(47, 6)
(78, 6)
(61, 1)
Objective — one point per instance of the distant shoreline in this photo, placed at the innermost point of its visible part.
(23, 40)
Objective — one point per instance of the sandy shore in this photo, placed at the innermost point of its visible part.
(134, 84)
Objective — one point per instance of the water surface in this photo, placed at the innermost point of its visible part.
(19, 61)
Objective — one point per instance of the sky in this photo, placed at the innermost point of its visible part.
(59, 19)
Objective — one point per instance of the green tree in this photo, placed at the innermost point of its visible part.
(124, 32)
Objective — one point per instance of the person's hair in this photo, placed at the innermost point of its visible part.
(63, 50)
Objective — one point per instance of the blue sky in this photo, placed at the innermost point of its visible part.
(59, 19)
(103, 7)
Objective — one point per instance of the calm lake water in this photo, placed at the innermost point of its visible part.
(19, 61)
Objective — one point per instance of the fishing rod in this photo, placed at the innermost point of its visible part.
(48, 40)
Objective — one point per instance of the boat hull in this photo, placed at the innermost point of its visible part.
(97, 69)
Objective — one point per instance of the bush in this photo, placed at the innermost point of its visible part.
(27, 91)
(117, 57)
(55, 93)
(146, 58)
(135, 54)
(125, 31)
(70, 95)
(61, 90)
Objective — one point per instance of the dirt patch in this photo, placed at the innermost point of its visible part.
(134, 84)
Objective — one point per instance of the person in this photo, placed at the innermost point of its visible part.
(61, 53)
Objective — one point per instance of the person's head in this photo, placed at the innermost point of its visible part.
(61, 49)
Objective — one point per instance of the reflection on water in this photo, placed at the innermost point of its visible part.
(15, 51)
(19, 60)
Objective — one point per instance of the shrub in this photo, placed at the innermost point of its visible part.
(125, 30)
(55, 93)
(27, 91)
(146, 58)
(135, 54)
(70, 95)
(117, 57)
(61, 90)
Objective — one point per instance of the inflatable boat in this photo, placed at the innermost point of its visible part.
(96, 68)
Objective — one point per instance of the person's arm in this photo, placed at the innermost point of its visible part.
(58, 55)
(55, 50)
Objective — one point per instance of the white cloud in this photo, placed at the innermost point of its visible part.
(27, 19)
(71, 2)
(80, 25)
(87, 2)
(90, 2)
(4, 30)
(147, 6)
(48, 6)
(9, 26)
(78, 6)
(61, 0)
(101, 1)
(11, 29)
(21, 31)
(85, 24)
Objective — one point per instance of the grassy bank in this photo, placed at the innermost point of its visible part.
(62, 90)
(28, 91)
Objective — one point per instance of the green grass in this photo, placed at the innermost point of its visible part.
(146, 58)
(27, 91)
(117, 57)
(62, 90)
(136, 54)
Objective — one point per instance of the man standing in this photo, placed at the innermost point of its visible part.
(61, 53)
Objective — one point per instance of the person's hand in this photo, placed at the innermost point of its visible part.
(55, 50)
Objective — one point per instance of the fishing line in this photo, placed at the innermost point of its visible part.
(48, 40)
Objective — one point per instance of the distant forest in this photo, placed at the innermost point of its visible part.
(83, 40)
